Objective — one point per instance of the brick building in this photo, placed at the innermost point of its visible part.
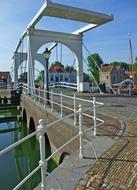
(113, 74)
(5, 80)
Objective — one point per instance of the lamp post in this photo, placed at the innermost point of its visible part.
(46, 55)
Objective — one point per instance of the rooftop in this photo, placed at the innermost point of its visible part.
(107, 68)
(4, 75)
(56, 68)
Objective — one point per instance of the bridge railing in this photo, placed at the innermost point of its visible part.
(63, 84)
(43, 162)
(6, 87)
(66, 103)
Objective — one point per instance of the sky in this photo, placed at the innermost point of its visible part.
(109, 40)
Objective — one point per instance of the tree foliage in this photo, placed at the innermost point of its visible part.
(57, 63)
(40, 79)
(123, 65)
(126, 66)
(135, 65)
(94, 61)
(69, 69)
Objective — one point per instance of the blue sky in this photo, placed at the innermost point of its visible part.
(109, 40)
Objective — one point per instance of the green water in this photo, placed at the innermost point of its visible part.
(8, 112)
(19, 162)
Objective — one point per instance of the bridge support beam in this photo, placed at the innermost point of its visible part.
(37, 38)
(18, 58)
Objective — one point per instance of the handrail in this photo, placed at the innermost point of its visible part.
(67, 96)
(63, 84)
(4, 151)
(40, 94)
(6, 87)
(27, 177)
(93, 117)
(73, 87)
(41, 129)
(43, 161)
(51, 124)
(62, 147)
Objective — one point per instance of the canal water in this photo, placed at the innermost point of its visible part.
(19, 162)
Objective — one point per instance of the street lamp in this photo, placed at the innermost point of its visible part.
(46, 55)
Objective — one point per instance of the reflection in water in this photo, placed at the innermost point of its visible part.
(26, 157)
(22, 160)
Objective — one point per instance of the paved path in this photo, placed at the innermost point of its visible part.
(116, 169)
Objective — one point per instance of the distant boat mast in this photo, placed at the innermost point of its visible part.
(131, 57)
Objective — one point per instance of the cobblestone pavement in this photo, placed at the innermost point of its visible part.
(116, 169)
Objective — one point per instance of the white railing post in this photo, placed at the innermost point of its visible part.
(33, 90)
(75, 116)
(51, 100)
(61, 105)
(80, 132)
(42, 162)
(32, 95)
(44, 98)
(35, 99)
(35, 95)
(94, 116)
(27, 90)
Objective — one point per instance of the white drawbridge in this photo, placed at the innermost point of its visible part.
(37, 37)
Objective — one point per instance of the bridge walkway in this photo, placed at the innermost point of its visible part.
(73, 168)
(116, 166)
(116, 169)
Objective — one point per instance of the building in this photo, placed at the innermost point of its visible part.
(57, 73)
(5, 80)
(113, 74)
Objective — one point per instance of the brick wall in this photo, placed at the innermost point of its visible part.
(58, 134)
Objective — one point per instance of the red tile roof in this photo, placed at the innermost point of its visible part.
(4, 75)
(106, 68)
(56, 68)
(109, 68)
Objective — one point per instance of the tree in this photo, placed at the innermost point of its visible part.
(57, 63)
(94, 61)
(123, 65)
(40, 79)
(69, 69)
(86, 78)
(135, 65)
(136, 60)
